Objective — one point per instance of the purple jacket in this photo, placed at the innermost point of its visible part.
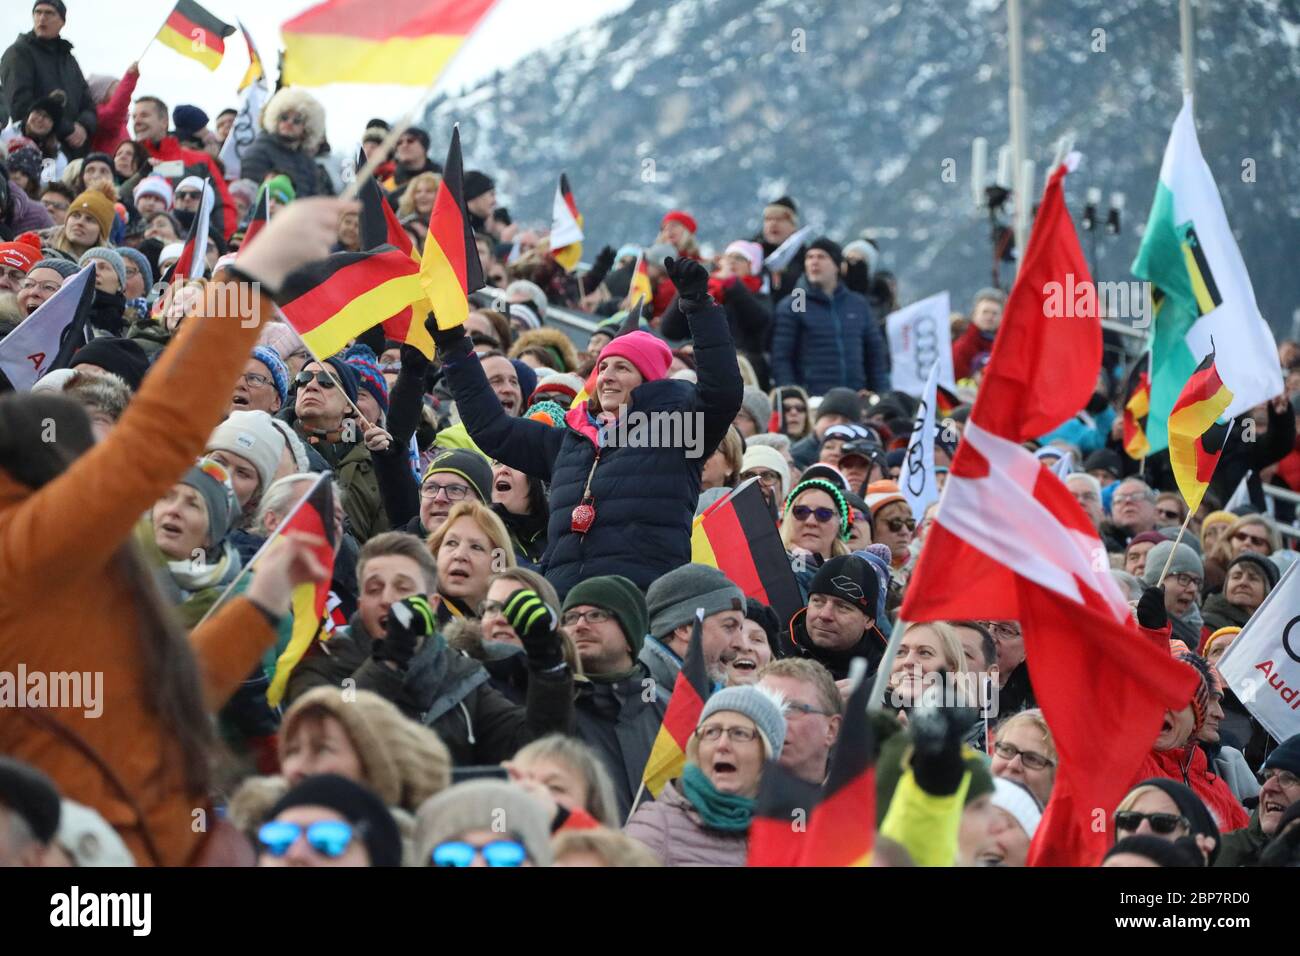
(28, 213)
(673, 830)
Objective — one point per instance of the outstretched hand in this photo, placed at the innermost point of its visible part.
(302, 232)
(690, 278)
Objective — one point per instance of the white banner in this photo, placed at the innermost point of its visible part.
(1263, 664)
(916, 478)
(919, 336)
(29, 351)
(245, 127)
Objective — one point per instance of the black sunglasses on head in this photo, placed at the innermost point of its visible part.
(323, 379)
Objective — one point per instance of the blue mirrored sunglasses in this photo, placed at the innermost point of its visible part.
(328, 837)
(496, 853)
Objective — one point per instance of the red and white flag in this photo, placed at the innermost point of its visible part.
(1026, 551)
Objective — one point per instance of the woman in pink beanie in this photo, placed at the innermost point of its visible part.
(625, 474)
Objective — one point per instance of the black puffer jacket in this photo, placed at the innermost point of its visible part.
(271, 151)
(32, 68)
(644, 498)
(615, 719)
(446, 690)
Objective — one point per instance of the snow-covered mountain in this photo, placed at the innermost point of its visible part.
(854, 106)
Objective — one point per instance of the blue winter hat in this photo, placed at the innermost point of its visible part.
(279, 373)
(364, 362)
(188, 120)
(527, 377)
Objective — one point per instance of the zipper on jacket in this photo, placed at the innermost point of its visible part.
(839, 337)
(469, 724)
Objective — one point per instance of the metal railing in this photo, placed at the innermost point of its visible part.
(1283, 494)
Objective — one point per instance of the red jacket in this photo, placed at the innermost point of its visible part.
(1214, 793)
(169, 148)
(112, 132)
(969, 345)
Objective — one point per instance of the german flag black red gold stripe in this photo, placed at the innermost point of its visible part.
(194, 32)
(1137, 406)
(739, 537)
(1203, 399)
(842, 831)
(690, 691)
(779, 830)
(339, 297)
(450, 269)
(566, 226)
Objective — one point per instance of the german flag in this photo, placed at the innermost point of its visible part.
(359, 41)
(690, 690)
(737, 536)
(944, 401)
(450, 269)
(379, 226)
(193, 32)
(566, 227)
(258, 217)
(779, 831)
(1137, 406)
(314, 514)
(255, 69)
(193, 260)
(336, 299)
(640, 282)
(1203, 399)
(842, 830)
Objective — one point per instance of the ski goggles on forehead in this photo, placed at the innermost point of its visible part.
(496, 853)
(329, 838)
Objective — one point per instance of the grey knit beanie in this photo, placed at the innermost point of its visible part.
(761, 705)
(483, 805)
(757, 406)
(1185, 562)
(141, 263)
(63, 266)
(109, 256)
(673, 598)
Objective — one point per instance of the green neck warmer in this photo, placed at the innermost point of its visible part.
(721, 811)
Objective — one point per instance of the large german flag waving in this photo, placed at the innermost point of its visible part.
(193, 32)
(1137, 406)
(690, 691)
(336, 299)
(450, 269)
(1192, 431)
(779, 831)
(842, 831)
(379, 226)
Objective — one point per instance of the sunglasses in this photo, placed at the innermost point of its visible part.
(823, 515)
(1250, 539)
(189, 194)
(1169, 514)
(329, 838)
(323, 379)
(496, 853)
(1161, 823)
(898, 524)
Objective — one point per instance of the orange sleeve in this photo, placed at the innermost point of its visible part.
(228, 645)
(74, 523)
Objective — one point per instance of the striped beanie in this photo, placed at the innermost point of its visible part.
(821, 484)
(364, 362)
(279, 373)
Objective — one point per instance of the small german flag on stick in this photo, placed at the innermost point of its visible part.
(1137, 406)
(450, 269)
(194, 32)
(689, 692)
(1203, 399)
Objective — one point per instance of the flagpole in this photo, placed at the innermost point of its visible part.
(1187, 28)
(1188, 519)
(154, 35)
(1016, 100)
(877, 701)
(640, 792)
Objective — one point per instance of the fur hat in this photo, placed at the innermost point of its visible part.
(551, 342)
(298, 100)
(403, 761)
(483, 805)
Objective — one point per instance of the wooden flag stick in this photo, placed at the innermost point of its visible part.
(877, 701)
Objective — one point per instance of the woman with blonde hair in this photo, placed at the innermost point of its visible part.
(815, 522)
(469, 545)
(722, 468)
(600, 848)
(1023, 751)
(927, 652)
(418, 197)
(1253, 532)
(571, 773)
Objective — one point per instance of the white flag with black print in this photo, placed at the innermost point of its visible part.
(1263, 664)
(917, 478)
(919, 336)
(39, 344)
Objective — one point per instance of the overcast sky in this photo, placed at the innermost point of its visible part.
(109, 34)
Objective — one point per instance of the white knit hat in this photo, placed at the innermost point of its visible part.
(1019, 802)
(765, 456)
(153, 186)
(252, 435)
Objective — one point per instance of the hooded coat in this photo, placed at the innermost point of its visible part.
(1194, 770)
(272, 151)
(644, 497)
(32, 68)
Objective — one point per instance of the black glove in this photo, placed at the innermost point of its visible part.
(690, 278)
(535, 623)
(604, 260)
(413, 359)
(1151, 611)
(936, 746)
(409, 622)
(445, 339)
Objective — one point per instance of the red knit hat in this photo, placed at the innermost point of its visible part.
(23, 253)
(649, 356)
(683, 218)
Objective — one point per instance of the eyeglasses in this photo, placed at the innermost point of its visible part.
(453, 492)
(1002, 631)
(1285, 778)
(1031, 760)
(794, 407)
(189, 194)
(737, 735)
(594, 615)
(898, 524)
(768, 479)
(13, 275)
(823, 515)
(1186, 580)
(1131, 496)
(1168, 513)
(1248, 538)
(49, 288)
(323, 379)
(54, 205)
(292, 117)
(806, 709)
(496, 853)
(1161, 823)
(489, 607)
(327, 837)
(256, 380)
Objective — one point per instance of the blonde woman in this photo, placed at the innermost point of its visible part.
(815, 522)
(927, 652)
(722, 468)
(469, 546)
(418, 197)
(572, 775)
(1023, 751)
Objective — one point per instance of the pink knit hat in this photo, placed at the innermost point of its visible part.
(649, 356)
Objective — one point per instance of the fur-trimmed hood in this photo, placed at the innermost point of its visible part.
(290, 98)
(547, 339)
